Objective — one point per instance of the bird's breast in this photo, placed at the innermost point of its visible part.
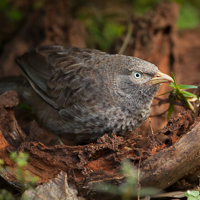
(123, 120)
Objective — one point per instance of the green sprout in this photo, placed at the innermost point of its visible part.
(180, 94)
(102, 29)
(131, 187)
(192, 195)
(6, 195)
(22, 176)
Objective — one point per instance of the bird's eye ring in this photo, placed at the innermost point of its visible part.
(137, 75)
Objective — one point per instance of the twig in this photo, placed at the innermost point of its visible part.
(127, 39)
(151, 126)
(157, 115)
(138, 178)
(153, 138)
(168, 101)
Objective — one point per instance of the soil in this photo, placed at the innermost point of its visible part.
(156, 39)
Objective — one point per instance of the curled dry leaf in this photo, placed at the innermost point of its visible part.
(57, 189)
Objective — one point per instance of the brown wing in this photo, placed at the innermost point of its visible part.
(71, 81)
(62, 76)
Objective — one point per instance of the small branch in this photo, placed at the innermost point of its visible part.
(127, 39)
(138, 178)
(153, 138)
(168, 101)
(151, 126)
(158, 115)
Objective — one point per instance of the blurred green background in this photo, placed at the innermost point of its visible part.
(104, 20)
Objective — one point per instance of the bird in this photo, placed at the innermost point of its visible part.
(81, 94)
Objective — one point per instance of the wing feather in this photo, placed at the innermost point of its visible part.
(61, 76)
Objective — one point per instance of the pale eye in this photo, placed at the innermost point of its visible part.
(137, 75)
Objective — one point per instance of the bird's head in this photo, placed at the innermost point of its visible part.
(139, 80)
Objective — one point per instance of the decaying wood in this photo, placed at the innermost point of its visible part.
(168, 166)
(100, 162)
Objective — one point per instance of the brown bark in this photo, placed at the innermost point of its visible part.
(168, 166)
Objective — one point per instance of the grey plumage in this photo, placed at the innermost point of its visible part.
(81, 94)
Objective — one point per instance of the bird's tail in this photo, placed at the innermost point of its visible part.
(18, 84)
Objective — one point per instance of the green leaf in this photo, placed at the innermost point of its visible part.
(183, 99)
(33, 179)
(102, 29)
(5, 195)
(192, 194)
(15, 15)
(104, 187)
(3, 5)
(187, 87)
(189, 16)
(1, 162)
(13, 156)
(172, 86)
(37, 5)
(195, 193)
(165, 93)
(181, 96)
(174, 83)
(142, 6)
(170, 110)
(190, 106)
(188, 94)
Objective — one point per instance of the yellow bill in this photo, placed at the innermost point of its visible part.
(161, 78)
